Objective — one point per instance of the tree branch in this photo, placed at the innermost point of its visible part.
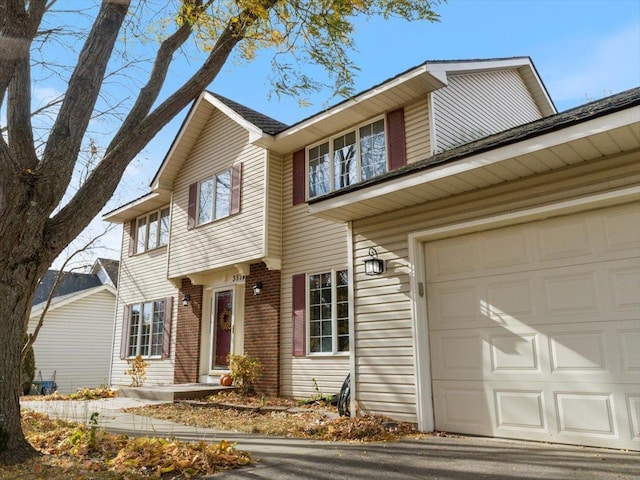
(19, 128)
(102, 182)
(65, 139)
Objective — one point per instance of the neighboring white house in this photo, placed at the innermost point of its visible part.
(74, 344)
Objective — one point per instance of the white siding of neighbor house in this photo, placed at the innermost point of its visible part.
(475, 105)
(310, 245)
(75, 342)
(229, 240)
(385, 358)
(143, 277)
(416, 125)
(274, 206)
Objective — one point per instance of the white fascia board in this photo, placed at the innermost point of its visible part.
(187, 122)
(118, 216)
(347, 104)
(254, 132)
(58, 302)
(490, 157)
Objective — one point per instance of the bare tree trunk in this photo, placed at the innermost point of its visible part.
(16, 291)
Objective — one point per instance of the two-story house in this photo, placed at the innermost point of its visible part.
(468, 255)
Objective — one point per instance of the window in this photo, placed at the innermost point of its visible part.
(147, 331)
(214, 197)
(151, 230)
(348, 158)
(328, 312)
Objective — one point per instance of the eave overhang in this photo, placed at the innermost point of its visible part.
(139, 206)
(471, 167)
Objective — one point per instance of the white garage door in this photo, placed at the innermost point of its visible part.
(535, 330)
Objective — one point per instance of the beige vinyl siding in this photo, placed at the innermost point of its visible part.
(143, 277)
(475, 105)
(274, 207)
(230, 240)
(75, 341)
(310, 245)
(385, 373)
(416, 124)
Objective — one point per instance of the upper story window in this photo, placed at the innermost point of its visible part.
(361, 153)
(152, 230)
(215, 197)
(348, 158)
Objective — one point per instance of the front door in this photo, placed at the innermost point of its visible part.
(221, 329)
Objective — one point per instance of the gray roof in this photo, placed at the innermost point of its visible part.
(71, 282)
(606, 106)
(263, 122)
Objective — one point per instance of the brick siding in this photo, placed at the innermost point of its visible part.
(188, 334)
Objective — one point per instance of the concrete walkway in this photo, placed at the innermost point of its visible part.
(431, 458)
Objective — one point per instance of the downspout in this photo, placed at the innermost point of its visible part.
(352, 320)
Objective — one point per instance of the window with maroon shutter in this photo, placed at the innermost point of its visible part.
(299, 177)
(396, 139)
(299, 306)
(215, 197)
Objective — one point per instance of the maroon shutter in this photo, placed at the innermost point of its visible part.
(299, 177)
(396, 139)
(124, 342)
(299, 315)
(236, 181)
(132, 237)
(166, 327)
(191, 208)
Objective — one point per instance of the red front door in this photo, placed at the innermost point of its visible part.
(221, 329)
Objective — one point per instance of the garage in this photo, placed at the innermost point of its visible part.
(534, 329)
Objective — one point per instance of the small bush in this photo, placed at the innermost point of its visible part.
(244, 369)
(137, 371)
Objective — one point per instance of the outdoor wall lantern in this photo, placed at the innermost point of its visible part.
(185, 300)
(257, 288)
(373, 265)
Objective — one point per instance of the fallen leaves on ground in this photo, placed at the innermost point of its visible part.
(314, 423)
(80, 394)
(79, 451)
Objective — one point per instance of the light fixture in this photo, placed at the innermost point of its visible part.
(257, 288)
(185, 300)
(373, 265)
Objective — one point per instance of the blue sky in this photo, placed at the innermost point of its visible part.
(583, 50)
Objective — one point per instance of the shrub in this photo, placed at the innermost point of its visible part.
(244, 369)
(137, 371)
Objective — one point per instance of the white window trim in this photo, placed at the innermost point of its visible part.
(334, 312)
(139, 336)
(146, 218)
(330, 140)
(214, 178)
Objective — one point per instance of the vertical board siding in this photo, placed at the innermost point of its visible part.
(143, 277)
(475, 105)
(309, 245)
(75, 342)
(416, 124)
(385, 359)
(229, 240)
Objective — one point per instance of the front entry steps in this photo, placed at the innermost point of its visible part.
(171, 393)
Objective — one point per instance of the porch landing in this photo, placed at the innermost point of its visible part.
(170, 393)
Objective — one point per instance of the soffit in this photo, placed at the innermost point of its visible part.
(600, 138)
